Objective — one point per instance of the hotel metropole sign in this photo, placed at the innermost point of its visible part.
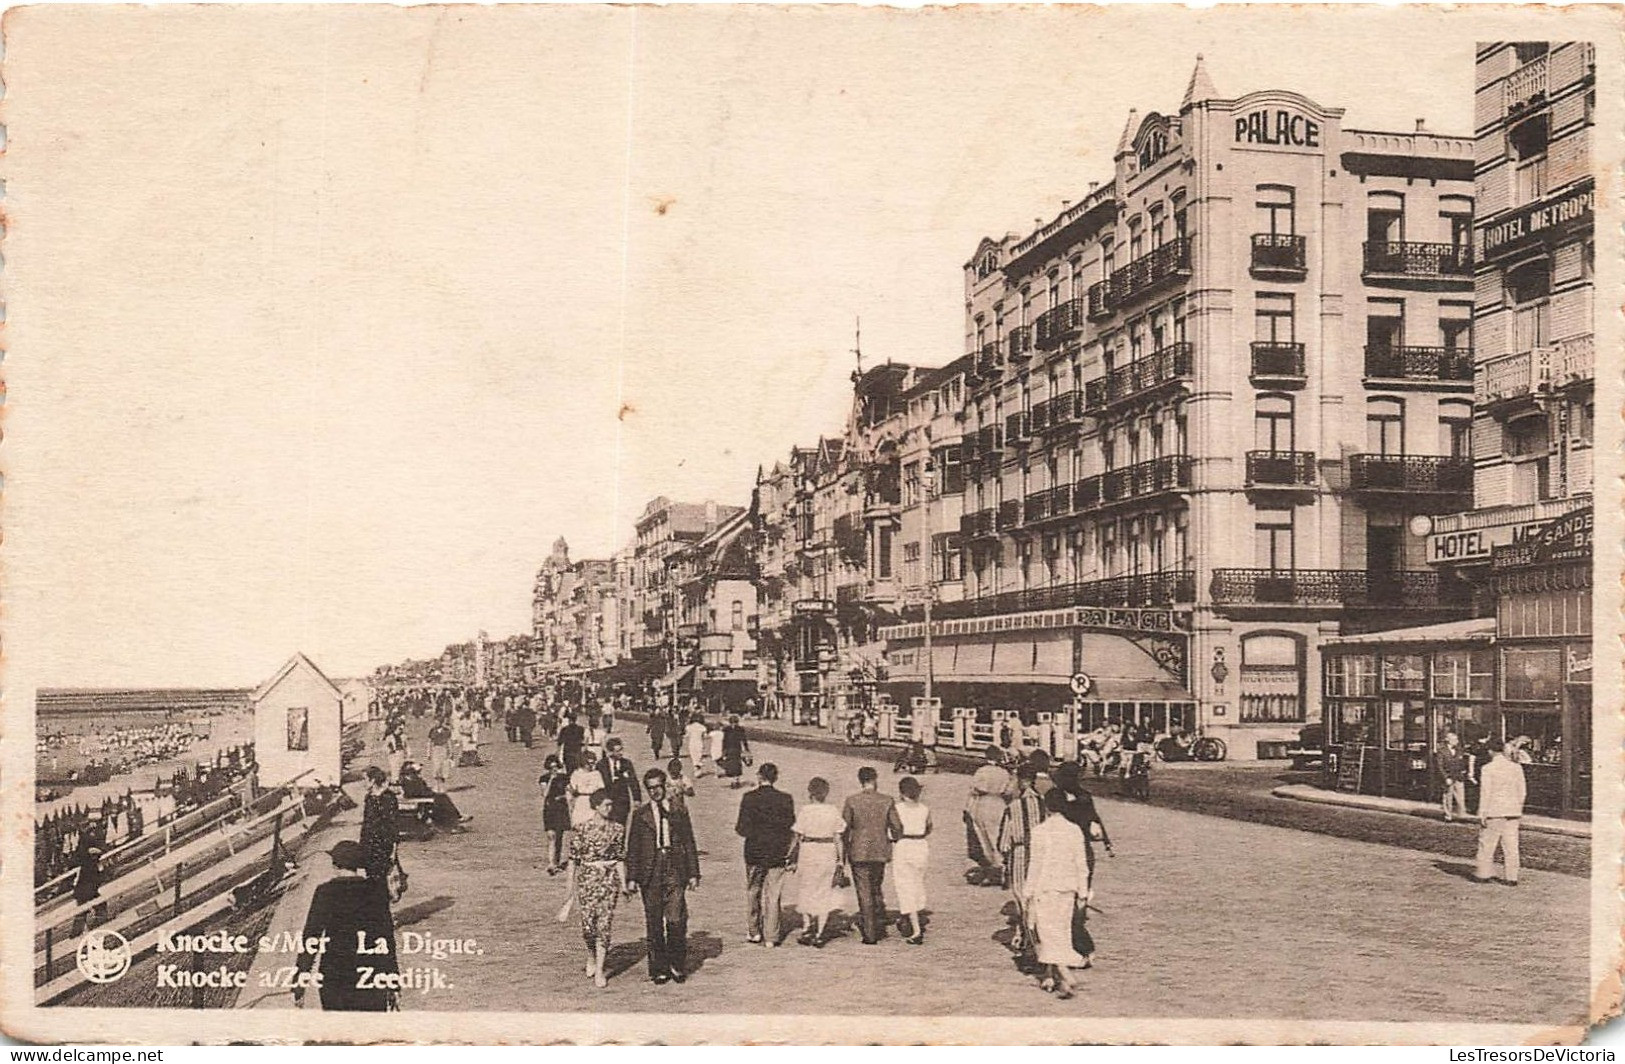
(1537, 223)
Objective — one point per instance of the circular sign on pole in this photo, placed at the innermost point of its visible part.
(1082, 684)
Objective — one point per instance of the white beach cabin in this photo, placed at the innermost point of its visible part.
(298, 721)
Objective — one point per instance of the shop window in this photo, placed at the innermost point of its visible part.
(1530, 674)
(1271, 679)
(1351, 676)
(1470, 723)
(1407, 724)
(1404, 672)
(1543, 733)
(1354, 724)
(1464, 674)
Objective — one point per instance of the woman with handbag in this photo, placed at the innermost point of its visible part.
(1057, 886)
(816, 859)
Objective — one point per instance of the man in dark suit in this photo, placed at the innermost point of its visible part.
(350, 914)
(872, 825)
(663, 862)
(766, 816)
(620, 780)
(571, 738)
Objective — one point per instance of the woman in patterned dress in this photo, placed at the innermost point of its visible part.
(598, 871)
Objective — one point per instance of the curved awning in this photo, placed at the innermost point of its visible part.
(682, 676)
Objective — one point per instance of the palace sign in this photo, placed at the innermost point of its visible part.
(1277, 129)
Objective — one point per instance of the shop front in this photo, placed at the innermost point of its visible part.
(1544, 630)
(1390, 697)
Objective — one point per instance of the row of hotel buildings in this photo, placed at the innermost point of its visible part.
(1271, 427)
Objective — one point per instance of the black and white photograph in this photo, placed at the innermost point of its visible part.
(811, 524)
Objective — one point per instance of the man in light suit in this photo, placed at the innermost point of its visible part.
(1502, 790)
(663, 863)
(872, 825)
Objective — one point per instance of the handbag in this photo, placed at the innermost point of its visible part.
(841, 880)
(397, 880)
(1082, 942)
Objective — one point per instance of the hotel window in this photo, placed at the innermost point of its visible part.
(1108, 549)
(738, 616)
(1026, 306)
(1273, 317)
(1456, 326)
(1384, 324)
(951, 470)
(1456, 428)
(1108, 259)
(1273, 428)
(1272, 539)
(950, 562)
(1385, 426)
(1136, 239)
(883, 545)
(1159, 227)
(1385, 218)
(1108, 450)
(911, 484)
(1024, 556)
(1276, 216)
(1524, 437)
(1527, 143)
(1074, 273)
(1528, 290)
(1054, 288)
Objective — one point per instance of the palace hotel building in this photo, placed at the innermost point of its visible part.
(1202, 410)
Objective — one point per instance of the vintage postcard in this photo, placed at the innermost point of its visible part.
(824, 524)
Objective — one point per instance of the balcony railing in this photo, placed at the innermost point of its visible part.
(1420, 363)
(988, 359)
(1514, 376)
(1280, 468)
(1274, 358)
(1140, 377)
(1147, 590)
(1086, 494)
(1140, 278)
(1406, 258)
(1280, 255)
(1063, 409)
(1401, 589)
(1169, 473)
(1036, 508)
(977, 525)
(1038, 417)
(1574, 360)
(1009, 515)
(1021, 342)
(1420, 474)
(1059, 323)
(1525, 84)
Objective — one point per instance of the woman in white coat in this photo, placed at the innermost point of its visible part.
(1057, 885)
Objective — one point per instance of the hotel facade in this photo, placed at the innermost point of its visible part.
(1203, 409)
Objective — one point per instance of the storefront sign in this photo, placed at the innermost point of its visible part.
(1278, 129)
(1566, 539)
(1476, 544)
(804, 607)
(1528, 225)
(1579, 665)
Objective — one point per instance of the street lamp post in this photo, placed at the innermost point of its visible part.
(928, 482)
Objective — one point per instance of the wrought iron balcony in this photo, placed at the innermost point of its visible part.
(1021, 342)
(1059, 323)
(1411, 260)
(1147, 590)
(1064, 409)
(1280, 256)
(1140, 278)
(1420, 363)
(989, 359)
(1036, 507)
(1283, 469)
(1009, 516)
(1140, 378)
(1278, 360)
(1339, 588)
(1100, 300)
(1038, 417)
(977, 525)
(1169, 473)
(1411, 474)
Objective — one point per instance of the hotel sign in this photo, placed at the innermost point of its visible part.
(1567, 539)
(1476, 544)
(1277, 128)
(1529, 225)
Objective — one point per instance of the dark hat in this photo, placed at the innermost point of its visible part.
(348, 853)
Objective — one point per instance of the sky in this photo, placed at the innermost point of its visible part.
(325, 322)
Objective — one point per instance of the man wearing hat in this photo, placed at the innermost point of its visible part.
(87, 887)
(347, 910)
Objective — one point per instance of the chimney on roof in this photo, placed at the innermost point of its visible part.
(1421, 125)
(1093, 185)
(1065, 204)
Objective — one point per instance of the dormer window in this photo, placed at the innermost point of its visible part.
(1154, 147)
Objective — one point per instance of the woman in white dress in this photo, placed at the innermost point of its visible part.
(816, 860)
(583, 782)
(1057, 884)
(695, 735)
(910, 855)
